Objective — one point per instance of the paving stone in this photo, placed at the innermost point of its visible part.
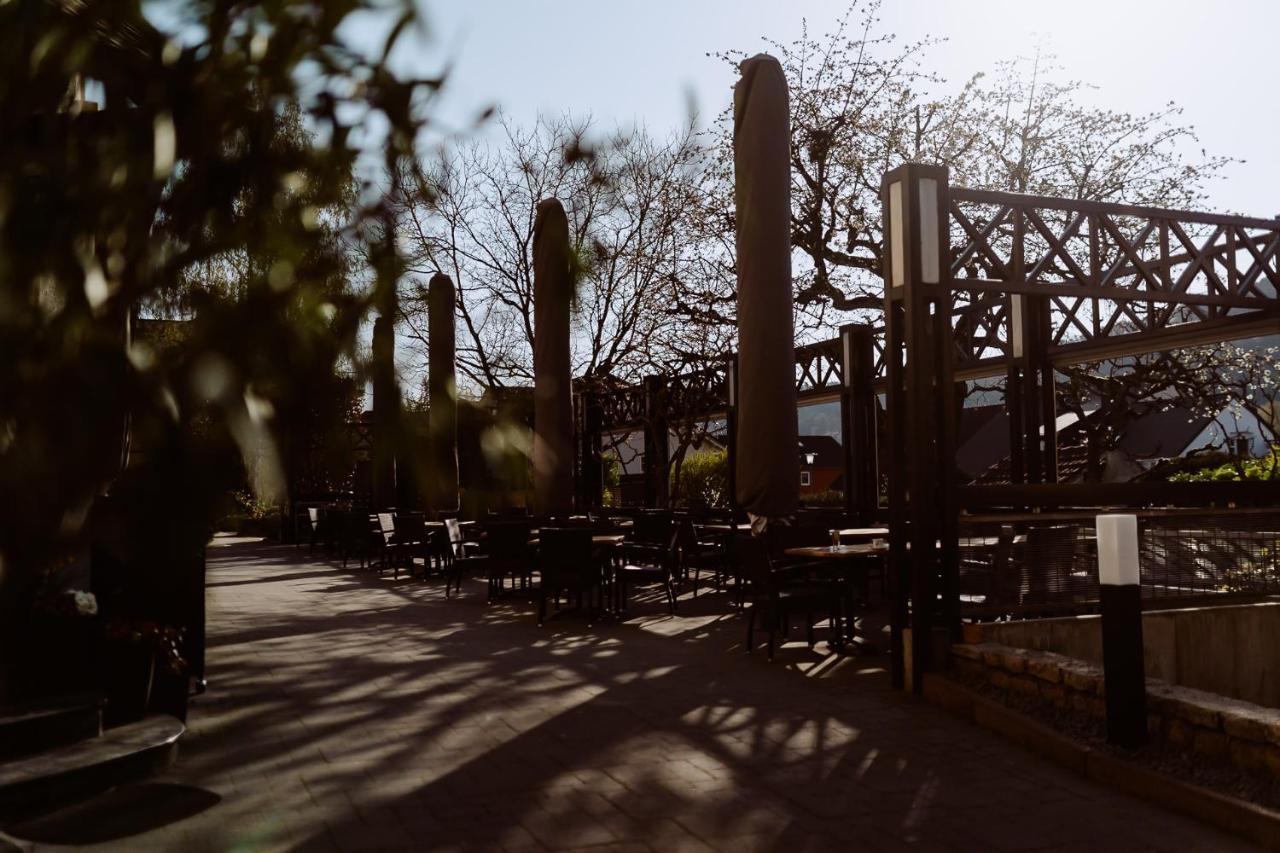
(350, 711)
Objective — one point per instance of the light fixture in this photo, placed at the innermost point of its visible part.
(846, 353)
(731, 381)
(1117, 550)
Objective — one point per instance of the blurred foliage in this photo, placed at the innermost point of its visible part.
(612, 482)
(825, 497)
(701, 480)
(213, 184)
(253, 507)
(1261, 468)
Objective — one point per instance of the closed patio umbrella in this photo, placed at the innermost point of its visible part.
(768, 464)
(442, 387)
(552, 401)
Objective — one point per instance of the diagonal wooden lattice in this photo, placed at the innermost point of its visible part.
(1118, 279)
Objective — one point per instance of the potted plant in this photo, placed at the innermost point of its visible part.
(138, 651)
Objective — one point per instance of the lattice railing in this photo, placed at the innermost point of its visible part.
(1115, 276)
(1109, 271)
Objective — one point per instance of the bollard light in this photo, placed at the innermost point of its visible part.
(1117, 550)
(1122, 647)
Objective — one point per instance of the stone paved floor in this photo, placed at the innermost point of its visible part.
(355, 713)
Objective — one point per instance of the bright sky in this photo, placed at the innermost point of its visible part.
(646, 59)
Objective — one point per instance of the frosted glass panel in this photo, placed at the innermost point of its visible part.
(896, 237)
(928, 206)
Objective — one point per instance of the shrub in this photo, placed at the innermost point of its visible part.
(703, 480)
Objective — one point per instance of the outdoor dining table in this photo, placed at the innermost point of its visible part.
(607, 540)
(726, 528)
(602, 544)
(844, 561)
(864, 533)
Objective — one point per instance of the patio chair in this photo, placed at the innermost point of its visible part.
(458, 556)
(1048, 565)
(773, 602)
(1004, 583)
(661, 567)
(698, 553)
(411, 540)
(651, 528)
(313, 527)
(568, 564)
(506, 547)
(359, 536)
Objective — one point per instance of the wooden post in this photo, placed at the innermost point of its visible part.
(922, 424)
(858, 428)
(1030, 397)
(591, 456)
(657, 450)
(386, 406)
(731, 428)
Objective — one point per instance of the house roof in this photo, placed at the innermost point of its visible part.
(1156, 433)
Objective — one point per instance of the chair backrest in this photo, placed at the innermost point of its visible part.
(386, 525)
(454, 530)
(411, 527)
(313, 515)
(507, 539)
(688, 534)
(564, 556)
(1048, 560)
(1006, 583)
(652, 527)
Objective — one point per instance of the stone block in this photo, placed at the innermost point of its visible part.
(1083, 677)
(1045, 668)
(1211, 744)
(1178, 732)
(1248, 754)
(1055, 693)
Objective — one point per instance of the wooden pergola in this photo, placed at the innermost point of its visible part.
(982, 284)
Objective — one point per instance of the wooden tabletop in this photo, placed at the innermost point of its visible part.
(597, 539)
(864, 532)
(837, 552)
(726, 528)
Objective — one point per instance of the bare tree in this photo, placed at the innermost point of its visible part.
(862, 103)
(626, 195)
(1239, 388)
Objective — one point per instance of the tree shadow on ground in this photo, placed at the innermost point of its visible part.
(362, 720)
(117, 814)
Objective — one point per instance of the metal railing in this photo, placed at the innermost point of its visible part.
(1030, 565)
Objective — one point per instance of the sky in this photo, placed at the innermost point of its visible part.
(647, 61)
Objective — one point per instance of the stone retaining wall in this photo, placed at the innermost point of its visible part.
(1214, 726)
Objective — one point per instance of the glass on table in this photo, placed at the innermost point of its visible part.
(835, 537)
